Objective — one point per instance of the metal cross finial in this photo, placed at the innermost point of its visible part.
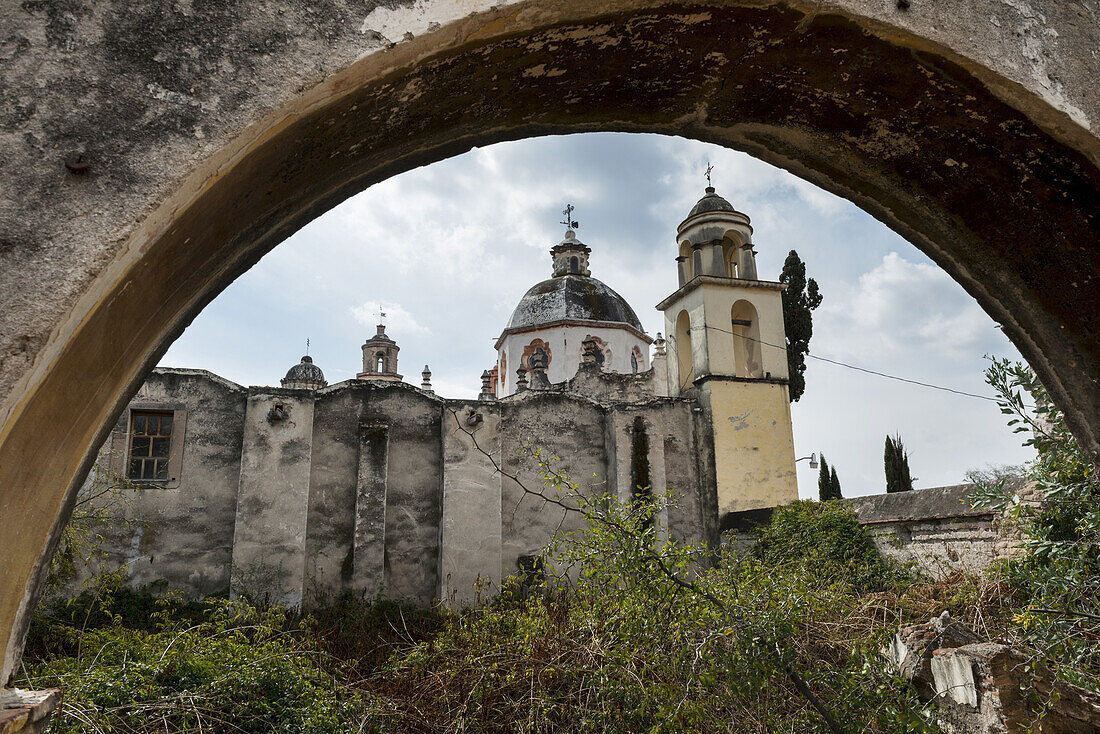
(707, 174)
(381, 315)
(567, 212)
(307, 346)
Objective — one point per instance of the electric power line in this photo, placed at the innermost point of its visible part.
(858, 369)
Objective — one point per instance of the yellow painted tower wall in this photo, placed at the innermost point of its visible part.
(753, 443)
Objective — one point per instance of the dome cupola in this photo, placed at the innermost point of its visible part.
(555, 316)
(711, 202)
(304, 375)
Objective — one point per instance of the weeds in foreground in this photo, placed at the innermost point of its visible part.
(608, 643)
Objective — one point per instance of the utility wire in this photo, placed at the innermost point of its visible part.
(858, 369)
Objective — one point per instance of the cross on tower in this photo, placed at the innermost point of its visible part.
(567, 212)
(307, 346)
(381, 315)
(707, 173)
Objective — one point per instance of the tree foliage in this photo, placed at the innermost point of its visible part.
(102, 502)
(799, 300)
(896, 460)
(828, 485)
(826, 539)
(1058, 576)
(824, 483)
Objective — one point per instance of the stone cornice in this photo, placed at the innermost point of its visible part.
(701, 280)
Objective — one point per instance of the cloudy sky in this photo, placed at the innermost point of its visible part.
(447, 251)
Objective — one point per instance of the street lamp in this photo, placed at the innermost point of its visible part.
(811, 457)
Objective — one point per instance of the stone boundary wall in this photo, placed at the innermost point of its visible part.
(936, 528)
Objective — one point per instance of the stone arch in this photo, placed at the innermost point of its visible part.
(687, 263)
(685, 361)
(746, 340)
(965, 147)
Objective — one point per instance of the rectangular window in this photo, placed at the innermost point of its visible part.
(150, 445)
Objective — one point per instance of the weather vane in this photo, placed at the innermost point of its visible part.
(567, 212)
(707, 173)
(381, 315)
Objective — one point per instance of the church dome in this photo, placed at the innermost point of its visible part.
(711, 202)
(572, 298)
(304, 374)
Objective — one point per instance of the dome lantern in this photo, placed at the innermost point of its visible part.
(570, 256)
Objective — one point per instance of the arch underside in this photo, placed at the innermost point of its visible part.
(911, 136)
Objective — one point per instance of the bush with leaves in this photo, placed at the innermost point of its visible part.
(1058, 575)
(217, 667)
(826, 539)
(636, 632)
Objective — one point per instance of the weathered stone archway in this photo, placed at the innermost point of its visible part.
(211, 133)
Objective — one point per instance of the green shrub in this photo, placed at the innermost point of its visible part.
(1058, 575)
(236, 669)
(633, 634)
(826, 539)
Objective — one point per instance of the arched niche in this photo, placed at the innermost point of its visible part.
(684, 357)
(745, 330)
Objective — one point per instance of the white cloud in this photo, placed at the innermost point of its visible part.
(821, 201)
(903, 307)
(397, 317)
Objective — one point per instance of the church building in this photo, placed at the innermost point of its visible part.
(386, 489)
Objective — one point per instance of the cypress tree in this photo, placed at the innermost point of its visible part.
(824, 487)
(889, 458)
(799, 299)
(898, 478)
(834, 485)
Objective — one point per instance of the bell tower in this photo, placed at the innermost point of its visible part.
(727, 347)
(380, 357)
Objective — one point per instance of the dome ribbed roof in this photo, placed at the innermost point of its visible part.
(305, 371)
(572, 297)
(711, 202)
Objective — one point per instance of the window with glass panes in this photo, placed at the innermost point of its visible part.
(150, 441)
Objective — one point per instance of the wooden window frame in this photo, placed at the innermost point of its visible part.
(121, 445)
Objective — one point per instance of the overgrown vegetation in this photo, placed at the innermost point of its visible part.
(628, 634)
(1057, 579)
